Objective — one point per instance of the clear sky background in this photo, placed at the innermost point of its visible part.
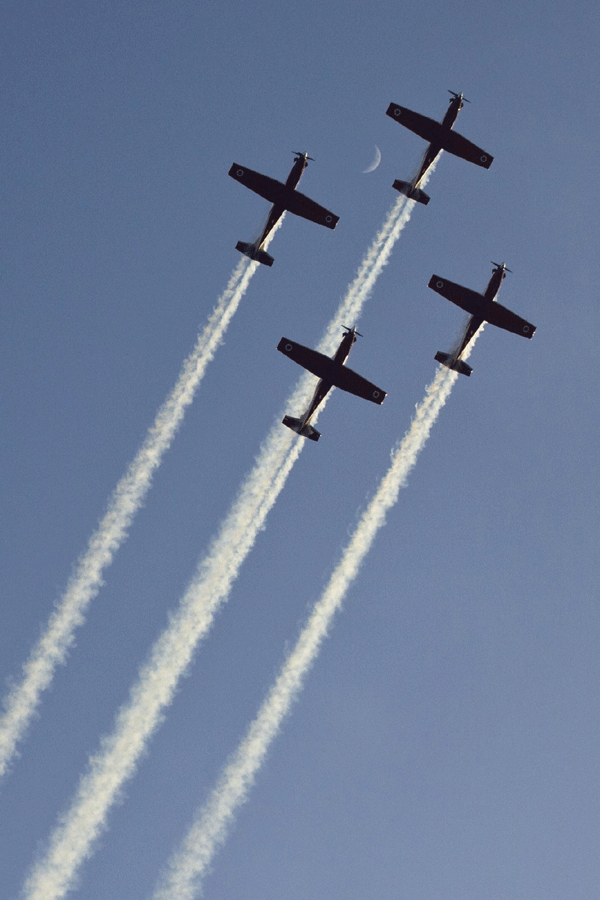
(446, 742)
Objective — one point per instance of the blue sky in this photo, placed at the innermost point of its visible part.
(445, 743)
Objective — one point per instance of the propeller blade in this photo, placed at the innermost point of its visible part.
(462, 96)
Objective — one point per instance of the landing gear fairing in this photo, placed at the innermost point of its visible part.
(483, 308)
(440, 137)
(331, 372)
(283, 197)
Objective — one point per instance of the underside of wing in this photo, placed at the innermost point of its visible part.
(467, 299)
(269, 188)
(303, 206)
(460, 146)
(317, 363)
(427, 128)
(350, 381)
(504, 318)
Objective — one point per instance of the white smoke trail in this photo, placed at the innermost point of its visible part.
(183, 878)
(99, 788)
(85, 582)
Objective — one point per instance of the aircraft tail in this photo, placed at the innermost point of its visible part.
(306, 431)
(253, 253)
(446, 359)
(413, 193)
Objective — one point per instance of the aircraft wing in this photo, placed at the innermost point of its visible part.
(427, 128)
(269, 188)
(350, 381)
(472, 302)
(502, 317)
(276, 192)
(434, 133)
(460, 146)
(467, 299)
(323, 367)
(317, 363)
(303, 206)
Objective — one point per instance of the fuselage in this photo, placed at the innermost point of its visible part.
(456, 104)
(489, 297)
(498, 275)
(435, 148)
(325, 384)
(300, 163)
(278, 209)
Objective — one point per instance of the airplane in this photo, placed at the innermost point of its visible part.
(332, 373)
(483, 308)
(440, 137)
(283, 197)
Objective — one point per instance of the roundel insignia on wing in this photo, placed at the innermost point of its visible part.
(328, 218)
(483, 158)
(288, 348)
(239, 173)
(375, 394)
(397, 111)
(525, 329)
(439, 284)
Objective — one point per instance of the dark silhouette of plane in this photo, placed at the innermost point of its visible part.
(440, 137)
(332, 373)
(283, 197)
(483, 308)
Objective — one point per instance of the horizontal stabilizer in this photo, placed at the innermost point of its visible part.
(413, 193)
(446, 359)
(306, 431)
(251, 251)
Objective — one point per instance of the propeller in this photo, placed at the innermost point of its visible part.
(501, 266)
(456, 96)
(297, 153)
(353, 330)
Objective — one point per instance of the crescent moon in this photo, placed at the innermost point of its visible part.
(375, 162)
